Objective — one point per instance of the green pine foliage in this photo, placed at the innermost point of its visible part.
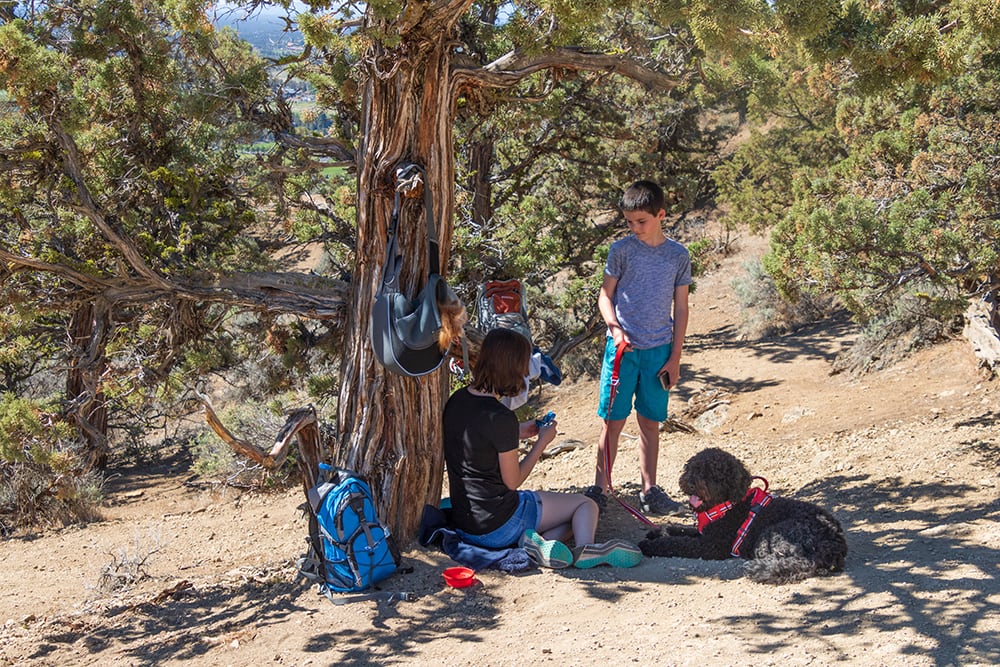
(560, 152)
(873, 159)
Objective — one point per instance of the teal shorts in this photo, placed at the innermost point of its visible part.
(637, 380)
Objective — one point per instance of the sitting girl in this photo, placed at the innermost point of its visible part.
(481, 439)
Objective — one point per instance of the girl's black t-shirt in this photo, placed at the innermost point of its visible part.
(476, 430)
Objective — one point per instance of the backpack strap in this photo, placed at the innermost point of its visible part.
(311, 566)
(387, 596)
(357, 505)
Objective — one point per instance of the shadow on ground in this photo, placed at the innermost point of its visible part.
(822, 341)
(923, 570)
(901, 561)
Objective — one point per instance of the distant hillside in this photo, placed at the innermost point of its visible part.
(265, 29)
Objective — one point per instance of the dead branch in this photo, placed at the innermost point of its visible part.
(704, 400)
(677, 426)
(302, 426)
(304, 294)
(981, 334)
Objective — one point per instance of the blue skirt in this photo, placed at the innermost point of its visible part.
(527, 514)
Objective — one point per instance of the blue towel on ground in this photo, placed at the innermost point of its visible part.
(436, 529)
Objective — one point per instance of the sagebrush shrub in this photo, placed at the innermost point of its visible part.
(765, 312)
(922, 315)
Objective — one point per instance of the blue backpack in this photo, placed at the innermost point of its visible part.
(350, 549)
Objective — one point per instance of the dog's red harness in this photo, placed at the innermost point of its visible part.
(758, 497)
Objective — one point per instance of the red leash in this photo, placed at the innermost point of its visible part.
(615, 373)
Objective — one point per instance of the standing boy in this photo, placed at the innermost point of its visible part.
(644, 301)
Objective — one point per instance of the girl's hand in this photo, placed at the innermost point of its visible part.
(547, 433)
(526, 430)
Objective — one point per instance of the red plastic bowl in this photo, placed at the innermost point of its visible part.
(459, 577)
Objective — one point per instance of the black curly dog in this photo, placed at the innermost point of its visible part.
(785, 541)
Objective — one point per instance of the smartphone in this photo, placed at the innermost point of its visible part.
(546, 420)
(664, 379)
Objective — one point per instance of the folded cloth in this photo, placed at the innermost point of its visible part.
(435, 529)
(547, 368)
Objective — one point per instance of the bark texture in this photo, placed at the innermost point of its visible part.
(389, 426)
(86, 405)
(981, 331)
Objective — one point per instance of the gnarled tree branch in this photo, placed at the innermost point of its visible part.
(514, 66)
(301, 426)
(308, 295)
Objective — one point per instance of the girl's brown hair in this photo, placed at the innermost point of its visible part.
(503, 363)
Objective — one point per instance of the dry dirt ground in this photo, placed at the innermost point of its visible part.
(907, 458)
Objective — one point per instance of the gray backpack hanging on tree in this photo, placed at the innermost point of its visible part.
(404, 332)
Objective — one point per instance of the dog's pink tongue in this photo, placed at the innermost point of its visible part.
(695, 501)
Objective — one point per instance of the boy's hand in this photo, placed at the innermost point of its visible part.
(671, 371)
(619, 336)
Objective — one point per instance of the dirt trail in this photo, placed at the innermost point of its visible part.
(907, 458)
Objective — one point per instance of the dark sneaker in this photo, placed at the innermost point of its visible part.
(655, 501)
(546, 553)
(616, 553)
(596, 494)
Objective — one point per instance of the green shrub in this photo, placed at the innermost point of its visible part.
(43, 479)
(707, 252)
(584, 360)
(703, 252)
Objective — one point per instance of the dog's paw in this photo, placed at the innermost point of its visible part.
(648, 545)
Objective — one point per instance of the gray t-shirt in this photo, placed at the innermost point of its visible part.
(644, 295)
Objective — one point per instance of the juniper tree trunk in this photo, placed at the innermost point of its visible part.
(389, 427)
(480, 161)
(86, 405)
